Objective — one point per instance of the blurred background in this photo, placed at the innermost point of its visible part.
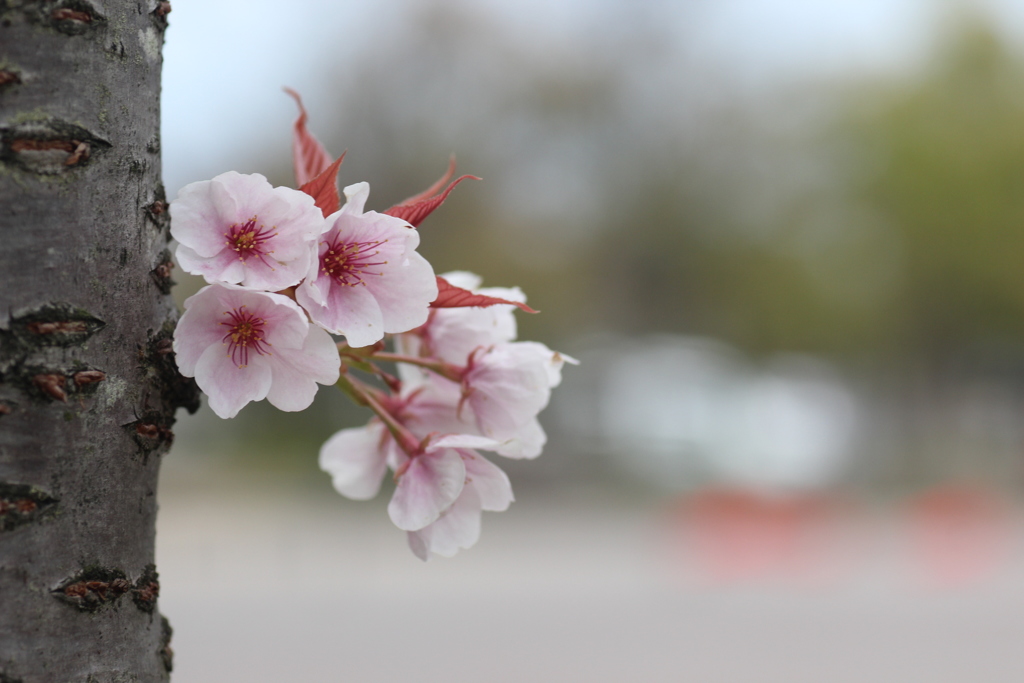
(782, 236)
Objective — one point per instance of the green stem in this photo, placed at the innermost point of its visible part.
(348, 388)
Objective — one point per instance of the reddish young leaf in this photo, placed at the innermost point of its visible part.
(433, 189)
(309, 156)
(450, 296)
(417, 212)
(324, 188)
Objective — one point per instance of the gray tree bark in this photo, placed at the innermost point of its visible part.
(88, 386)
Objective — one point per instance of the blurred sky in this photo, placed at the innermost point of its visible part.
(575, 112)
(226, 60)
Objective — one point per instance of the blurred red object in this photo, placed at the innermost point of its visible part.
(741, 535)
(959, 534)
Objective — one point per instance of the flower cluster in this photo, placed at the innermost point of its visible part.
(289, 268)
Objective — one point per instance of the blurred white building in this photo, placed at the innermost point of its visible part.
(684, 411)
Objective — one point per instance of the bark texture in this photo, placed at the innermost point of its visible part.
(88, 387)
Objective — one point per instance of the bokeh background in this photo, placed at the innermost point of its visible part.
(784, 239)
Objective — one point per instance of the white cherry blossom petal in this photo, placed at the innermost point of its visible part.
(527, 442)
(355, 460)
(229, 387)
(408, 286)
(431, 484)
(457, 528)
(292, 390)
(356, 195)
(508, 386)
(464, 441)
(197, 330)
(489, 481)
(463, 279)
(197, 207)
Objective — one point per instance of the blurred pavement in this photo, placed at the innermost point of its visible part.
(263, 582)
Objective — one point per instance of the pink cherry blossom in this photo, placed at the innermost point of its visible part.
(486, 488)
(431, 481)
(441, 491)
(238, 229)
(245, 346)
(435, 404)
(507, 385)
(453, 335)
(357, 459)
(365, 277)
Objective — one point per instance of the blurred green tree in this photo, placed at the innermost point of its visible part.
(942, 168)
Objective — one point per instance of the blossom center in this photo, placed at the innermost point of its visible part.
(347, 262)
(245, 332)
(247, 239)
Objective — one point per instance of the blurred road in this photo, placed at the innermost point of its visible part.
(265, 584)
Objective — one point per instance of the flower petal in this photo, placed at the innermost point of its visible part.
(404, 293)
(458, 527)
(222, 268)
(355, 198)
(291, 390)
(430, 485)
(432, 405)
(198, 217)
(228, 386)
(488, 480)
(353, 312)
(463, 279)
(526, 443)
(355, 461)
(509, 385)
(298, 373)
(198, 329)
(464, 441)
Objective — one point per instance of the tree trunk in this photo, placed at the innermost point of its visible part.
(88, 386)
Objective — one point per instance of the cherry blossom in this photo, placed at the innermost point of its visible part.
(441, 490)
(435, 404)
(455, 335)
(365, 277)
(486, 488)
(244, 346)
(288, 268)
(507, 385)
(238, 229)
(430, 481)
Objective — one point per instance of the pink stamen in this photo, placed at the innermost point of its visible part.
(248, 240)
(347, 262)
(245, 331)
